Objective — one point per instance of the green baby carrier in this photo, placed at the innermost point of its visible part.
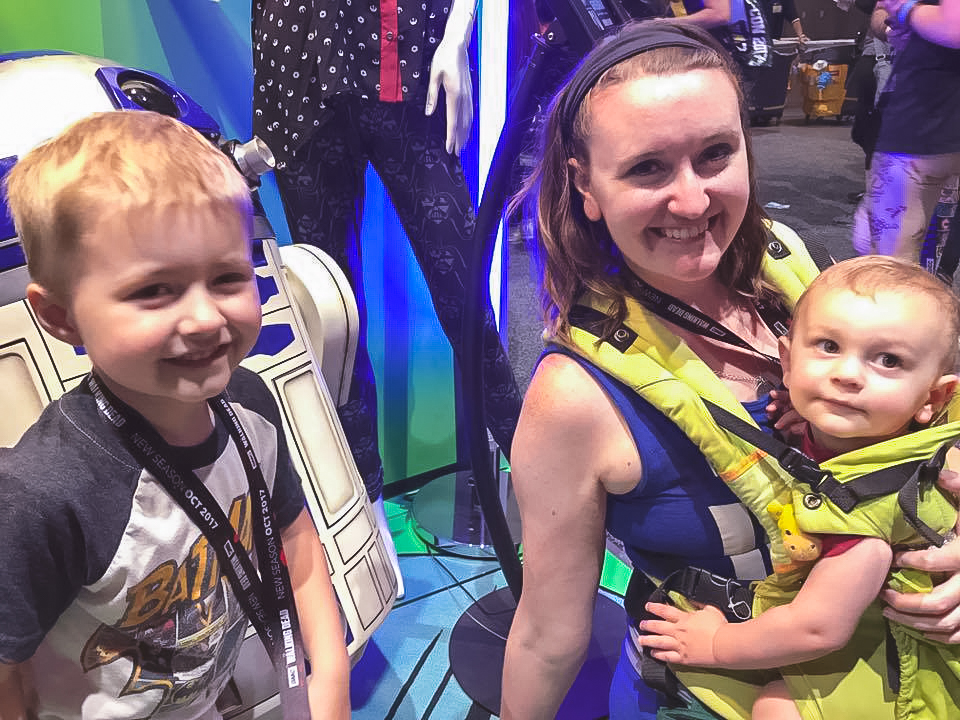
(887, 490)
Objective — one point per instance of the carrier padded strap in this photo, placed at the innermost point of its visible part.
(922, 480)
(819, 253)
(792, 460)
(906, 480)
(591, 320)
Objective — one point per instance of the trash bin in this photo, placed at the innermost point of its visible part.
(824, 89)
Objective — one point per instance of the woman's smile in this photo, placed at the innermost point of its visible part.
(672, 197)
(685, 232)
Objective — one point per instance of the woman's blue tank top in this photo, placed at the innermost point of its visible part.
(681, 513)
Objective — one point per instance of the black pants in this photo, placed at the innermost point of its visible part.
(322, 190)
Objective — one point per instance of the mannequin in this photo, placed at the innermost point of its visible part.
(337, 85)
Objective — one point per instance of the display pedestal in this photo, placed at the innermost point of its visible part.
(447, 515)
(478, 642)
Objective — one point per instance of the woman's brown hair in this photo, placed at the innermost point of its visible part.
(574, 254)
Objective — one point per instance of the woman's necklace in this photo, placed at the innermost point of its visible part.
(760, 383)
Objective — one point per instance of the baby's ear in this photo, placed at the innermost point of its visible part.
(940, 393)
(53, 314)
(783, 345)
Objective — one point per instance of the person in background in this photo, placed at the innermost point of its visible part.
(779, 11)
(918, 142)
(644, 189)
(116, 604)
(741, 26)
(341, 84)
(708, 14)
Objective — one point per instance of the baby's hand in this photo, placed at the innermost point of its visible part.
(781, 411)
(682, 637)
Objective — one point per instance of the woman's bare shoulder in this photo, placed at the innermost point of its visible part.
(563, 394)
(565, 410)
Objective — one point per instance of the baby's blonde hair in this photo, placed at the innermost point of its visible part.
(122, 161)
(870, 274)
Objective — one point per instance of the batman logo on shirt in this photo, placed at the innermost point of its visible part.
(182, 627)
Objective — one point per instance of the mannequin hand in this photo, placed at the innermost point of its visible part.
(682, 637)
(936, 613)
(451, 69)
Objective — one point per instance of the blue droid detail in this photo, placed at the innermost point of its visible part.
(131, 89)
(6, 222)
(273, 339)
(11, 256)
(258, 255)
(267, 287)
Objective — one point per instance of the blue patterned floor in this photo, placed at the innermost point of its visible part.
(405, 671)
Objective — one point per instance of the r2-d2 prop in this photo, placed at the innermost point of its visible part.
(304, 351)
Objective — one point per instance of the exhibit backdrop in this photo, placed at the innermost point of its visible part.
(203, 47)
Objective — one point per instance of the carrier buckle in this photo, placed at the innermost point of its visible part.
(802, 468)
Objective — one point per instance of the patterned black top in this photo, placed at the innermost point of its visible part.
(306, 51)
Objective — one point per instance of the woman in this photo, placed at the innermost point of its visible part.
(645, 191)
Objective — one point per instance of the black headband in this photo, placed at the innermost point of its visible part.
(633, 40)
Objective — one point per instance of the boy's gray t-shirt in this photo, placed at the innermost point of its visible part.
(107, 584)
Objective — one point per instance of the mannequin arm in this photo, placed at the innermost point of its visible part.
(451, 69)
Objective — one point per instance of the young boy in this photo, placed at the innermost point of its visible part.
(115, 602)
(870, 356)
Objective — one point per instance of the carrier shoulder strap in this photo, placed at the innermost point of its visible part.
(906, 480)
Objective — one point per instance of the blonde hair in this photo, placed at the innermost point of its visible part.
(870, 274)
(121, 161)
(575, 254)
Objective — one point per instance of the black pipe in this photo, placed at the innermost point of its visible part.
(497, 187)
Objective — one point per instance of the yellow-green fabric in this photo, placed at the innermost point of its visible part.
(852, 683)
(661, 368)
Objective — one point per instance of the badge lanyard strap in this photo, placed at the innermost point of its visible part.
(269, 551)
(689, 318)
(272, 613)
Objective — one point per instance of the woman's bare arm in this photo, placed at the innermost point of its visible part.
(569, 441)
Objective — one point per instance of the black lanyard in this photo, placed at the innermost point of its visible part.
(271, 609)
(689, 318)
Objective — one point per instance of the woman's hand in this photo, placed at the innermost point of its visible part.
(936, 613)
